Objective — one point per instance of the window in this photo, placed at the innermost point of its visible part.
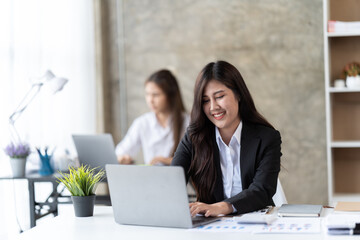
(36, 36)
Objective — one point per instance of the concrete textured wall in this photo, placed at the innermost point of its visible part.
(276, 44)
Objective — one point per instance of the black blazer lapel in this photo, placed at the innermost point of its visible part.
(249, 145)
(219, 188)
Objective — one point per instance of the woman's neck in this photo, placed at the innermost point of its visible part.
(227, 133)
(163, 118)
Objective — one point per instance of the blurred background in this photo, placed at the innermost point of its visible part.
(108, 48)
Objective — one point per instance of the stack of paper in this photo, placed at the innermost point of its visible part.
(343, 27)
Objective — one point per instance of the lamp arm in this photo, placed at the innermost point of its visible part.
(14, 134)
(25, 102)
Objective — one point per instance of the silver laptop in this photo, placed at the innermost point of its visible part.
(151, 196)
(95, 150)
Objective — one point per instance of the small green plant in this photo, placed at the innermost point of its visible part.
(351, 69)
(81, 181)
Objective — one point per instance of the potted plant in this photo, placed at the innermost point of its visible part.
(352, 74)
(18, 154)
(81, 183)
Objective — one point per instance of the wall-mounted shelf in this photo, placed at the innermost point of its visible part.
(345, 34)
(345, 144)
(343, 90)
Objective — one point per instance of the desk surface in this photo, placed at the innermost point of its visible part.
(33, 175)
(103, 226)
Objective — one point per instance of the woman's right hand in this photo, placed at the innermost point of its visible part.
(125, 159)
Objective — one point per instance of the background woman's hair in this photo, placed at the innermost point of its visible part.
(168, 84)
(202, 130)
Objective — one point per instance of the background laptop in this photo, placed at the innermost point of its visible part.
(151, 196)
(95, 150)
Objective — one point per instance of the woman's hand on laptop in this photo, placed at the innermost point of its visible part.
(125, 159)
(210, 210)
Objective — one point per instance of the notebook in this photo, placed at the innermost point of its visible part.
(299, 210)
(151, 196)
(95, 150)
(347, 207)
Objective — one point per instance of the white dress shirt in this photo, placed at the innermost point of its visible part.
(230, 162)
(147, 133)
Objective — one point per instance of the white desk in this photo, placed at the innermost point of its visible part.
(103, 226)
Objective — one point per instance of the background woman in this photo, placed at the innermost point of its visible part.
(230, 152)
(158, 132)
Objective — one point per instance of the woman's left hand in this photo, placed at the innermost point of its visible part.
(210, 210)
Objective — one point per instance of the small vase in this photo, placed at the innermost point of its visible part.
(18, 166)
(45, 168)
(353, 81)
(84, 206)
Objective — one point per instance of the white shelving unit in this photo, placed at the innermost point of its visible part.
(342, 104)
(348, 34)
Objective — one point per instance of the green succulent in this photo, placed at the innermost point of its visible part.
(81, 181)
(352, 69)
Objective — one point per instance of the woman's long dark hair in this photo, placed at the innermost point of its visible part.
(165, 80)
(202, 130)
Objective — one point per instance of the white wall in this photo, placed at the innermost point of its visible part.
(35, 36)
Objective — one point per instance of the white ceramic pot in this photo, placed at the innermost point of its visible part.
(353, 82)
(339, 83)
(18, 166)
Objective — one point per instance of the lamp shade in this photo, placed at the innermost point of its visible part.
(55, 84)
(48, 75)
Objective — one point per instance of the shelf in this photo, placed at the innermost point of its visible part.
(343, 90)
(345, 144)
(345, 118)
(346, 165)
(344, 34)
(346, 197)
(341, 52)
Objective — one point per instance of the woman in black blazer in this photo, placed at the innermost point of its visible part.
(230, 152)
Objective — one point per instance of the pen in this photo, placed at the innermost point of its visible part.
(344, 232)
(266, 210)
(269, 209)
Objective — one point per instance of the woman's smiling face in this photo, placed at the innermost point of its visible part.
(221, 106)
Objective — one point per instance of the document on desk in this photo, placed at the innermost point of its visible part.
(228, 224)
(281, 225)
(293, 225)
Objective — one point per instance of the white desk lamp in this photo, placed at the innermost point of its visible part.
(54, 84)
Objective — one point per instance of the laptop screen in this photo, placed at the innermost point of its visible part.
(95, 150)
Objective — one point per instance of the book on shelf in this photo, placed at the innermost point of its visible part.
(299, 210)
(343, 27)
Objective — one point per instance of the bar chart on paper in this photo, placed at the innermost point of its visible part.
(227, 225)
(281, 225)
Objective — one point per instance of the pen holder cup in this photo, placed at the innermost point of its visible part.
(45, 168)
